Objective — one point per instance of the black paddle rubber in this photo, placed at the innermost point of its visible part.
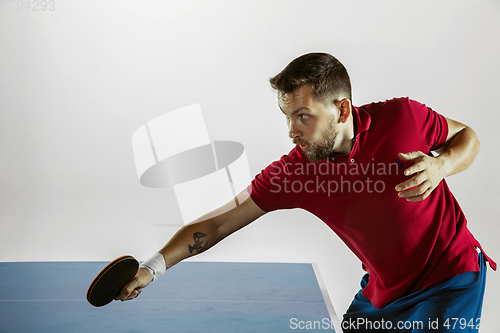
(111, 280)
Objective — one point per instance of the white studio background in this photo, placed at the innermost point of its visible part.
(78, 80)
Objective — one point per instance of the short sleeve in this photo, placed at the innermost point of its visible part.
(268, 188)
(432, 126)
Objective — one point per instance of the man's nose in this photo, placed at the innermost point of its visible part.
(292, 132)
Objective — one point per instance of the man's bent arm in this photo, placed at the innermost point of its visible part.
(198, 236)
(455, 155)
(460, 149)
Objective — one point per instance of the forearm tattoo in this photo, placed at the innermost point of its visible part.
(198, 243)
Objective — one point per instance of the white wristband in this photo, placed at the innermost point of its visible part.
(155, 265)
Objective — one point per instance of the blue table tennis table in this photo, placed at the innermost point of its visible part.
(196, 297)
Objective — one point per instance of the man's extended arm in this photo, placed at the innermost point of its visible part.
(199, 236)
(456, 155)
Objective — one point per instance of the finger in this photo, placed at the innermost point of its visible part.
(134, 294)
(128, 289)
(420, 197)
(410, 155)
(416, 191)
(412, 182)
(415, 168)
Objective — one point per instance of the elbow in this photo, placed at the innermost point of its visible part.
(478, 144)
(475, 140)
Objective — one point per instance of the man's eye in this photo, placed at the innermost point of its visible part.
(303, 116)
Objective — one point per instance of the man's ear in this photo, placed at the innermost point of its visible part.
(345, 109)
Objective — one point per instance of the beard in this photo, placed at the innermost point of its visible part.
(322, 149)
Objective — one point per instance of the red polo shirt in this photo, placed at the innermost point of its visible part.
(404, 246)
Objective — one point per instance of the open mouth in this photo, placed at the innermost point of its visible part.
(304, 147)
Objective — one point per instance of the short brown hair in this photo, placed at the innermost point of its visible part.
(326, 75)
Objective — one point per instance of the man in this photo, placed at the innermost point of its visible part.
(369, 174)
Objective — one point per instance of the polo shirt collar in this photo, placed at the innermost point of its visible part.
(362, 120)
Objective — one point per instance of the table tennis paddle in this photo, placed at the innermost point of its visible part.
(110, 281)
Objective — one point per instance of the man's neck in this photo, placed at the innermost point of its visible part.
(349, 136)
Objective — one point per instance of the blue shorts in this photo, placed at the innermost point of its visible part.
(453, 305)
